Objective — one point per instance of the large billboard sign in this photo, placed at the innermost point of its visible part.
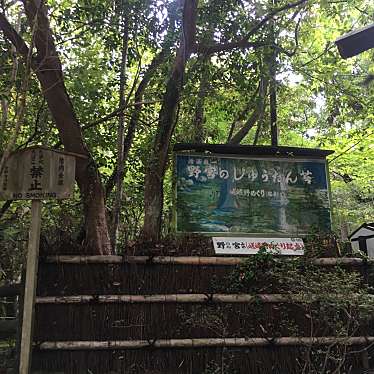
(252, 195)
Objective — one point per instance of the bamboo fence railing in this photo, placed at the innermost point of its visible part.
(189, 260)
(205, 342)
(179, 298)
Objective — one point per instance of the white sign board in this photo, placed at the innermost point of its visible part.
(248, 246)
(37, 173)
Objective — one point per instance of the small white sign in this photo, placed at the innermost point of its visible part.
(248, 246)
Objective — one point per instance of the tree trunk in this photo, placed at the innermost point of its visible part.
(153, 188)
(273, 87)
(48, 69)
(243, 114)
(153, 184)
(198, 123)
(121, 132)
(255, 115)
(135, 115)
(139, 94)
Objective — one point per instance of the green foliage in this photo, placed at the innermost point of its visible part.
(13, 241)
(317, 301)
(336, 302)
(321, 101)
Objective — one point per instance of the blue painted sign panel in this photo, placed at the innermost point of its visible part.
(223, 194)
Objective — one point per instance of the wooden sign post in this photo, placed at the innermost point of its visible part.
(30, 287)
(35, 174)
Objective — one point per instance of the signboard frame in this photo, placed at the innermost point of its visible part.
(310, 155)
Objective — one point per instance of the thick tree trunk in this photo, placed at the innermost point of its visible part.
(48, 69)
(153, 184)
(87, 176)
(153, 188)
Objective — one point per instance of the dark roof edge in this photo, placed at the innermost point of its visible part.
(369, 226)
(258, 150)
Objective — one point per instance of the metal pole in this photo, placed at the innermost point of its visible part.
(30, 287)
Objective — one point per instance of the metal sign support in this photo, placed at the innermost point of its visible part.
(30, 287)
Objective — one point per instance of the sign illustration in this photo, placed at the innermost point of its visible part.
(226, 194)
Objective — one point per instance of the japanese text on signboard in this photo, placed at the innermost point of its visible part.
(259, 195)
(37, 173)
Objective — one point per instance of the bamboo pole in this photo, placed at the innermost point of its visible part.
(181, 298)
(204, 342)
(189, 260)
(332, 261)
(174, 298)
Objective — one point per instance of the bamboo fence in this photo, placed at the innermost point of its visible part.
(180, 298)
(189, 260)
(113, 317)
(205, 342)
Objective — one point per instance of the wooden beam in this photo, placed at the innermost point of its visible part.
(30, 288)
(188, 260)
(204, 342)
(356, 41)
(255, 150)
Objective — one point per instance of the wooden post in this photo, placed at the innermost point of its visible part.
(30, 287)
(35, 173)
(20, 315)
(365, 359)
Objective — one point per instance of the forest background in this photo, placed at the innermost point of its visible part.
(120, 82)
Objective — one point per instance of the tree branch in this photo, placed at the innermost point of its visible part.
(117, 112)
(5, 207)
(12, 35)
(244, 42)
(21, 106)
(36, 129)
(226, 47)
(189, 27)
(243, 113)
(138, 105)
(256, 114)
